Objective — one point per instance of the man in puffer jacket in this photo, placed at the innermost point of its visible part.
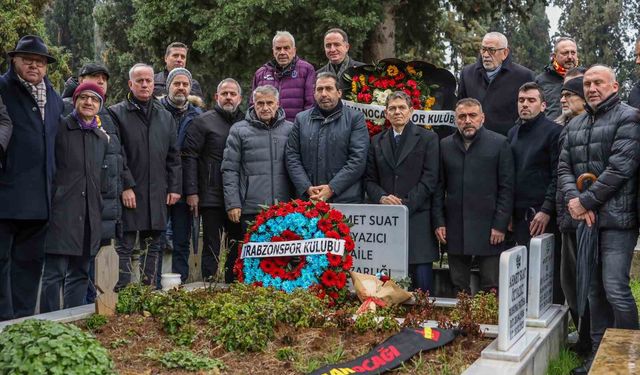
(289, 74)
(605, 141)
(250, 178)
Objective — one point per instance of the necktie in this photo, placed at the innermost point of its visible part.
(396, 138)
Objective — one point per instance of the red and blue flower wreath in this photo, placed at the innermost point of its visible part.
(291, 221)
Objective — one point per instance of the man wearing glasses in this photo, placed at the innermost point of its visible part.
(25, 182)
(494, 81)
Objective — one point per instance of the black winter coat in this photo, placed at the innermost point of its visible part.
(6, 128)
(535, 153)
(634, 96)
(411, 175)
(111, 174)
(151, 162)
(605, 142)
(77, 187)
(25, 180)
(498, 97)
(475, 193)
(202, 154)
(551, 83)
(331, 151)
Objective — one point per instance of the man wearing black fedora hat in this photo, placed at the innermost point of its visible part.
(25, 182)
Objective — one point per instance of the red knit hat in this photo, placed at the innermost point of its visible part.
(91, 88)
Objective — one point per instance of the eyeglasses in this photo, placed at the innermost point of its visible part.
(490, 50)
(30, 60)
(92, 98)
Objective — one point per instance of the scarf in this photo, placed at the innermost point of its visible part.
(492, 74)
(333, 110)
(558, 68)
(93, 124)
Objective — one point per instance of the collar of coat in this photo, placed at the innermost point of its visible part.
(230, 118)
(605, 106)
(459, 139)
(317, 115)
(72, 124)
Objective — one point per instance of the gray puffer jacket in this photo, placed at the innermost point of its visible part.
(253, 166)
(605, 142)
(331, 151)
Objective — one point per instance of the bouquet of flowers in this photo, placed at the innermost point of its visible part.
(326, 274)
(373, 84)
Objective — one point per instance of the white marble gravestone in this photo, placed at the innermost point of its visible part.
(540, 308)
(513, 341)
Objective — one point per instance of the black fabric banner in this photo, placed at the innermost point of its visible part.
(391, 353)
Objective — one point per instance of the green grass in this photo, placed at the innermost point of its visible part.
(566, 361)
(635, 289)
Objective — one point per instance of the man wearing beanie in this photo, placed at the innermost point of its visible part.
(152, 176)
(25, 183)
(179, 83)
(75, 225)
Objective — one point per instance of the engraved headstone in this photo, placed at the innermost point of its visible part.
(540, 310)
(513, 296)
(381, 236)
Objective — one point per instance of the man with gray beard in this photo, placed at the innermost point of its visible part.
(202, 154)
(179, 84)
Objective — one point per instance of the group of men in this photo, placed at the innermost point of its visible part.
(509, 173)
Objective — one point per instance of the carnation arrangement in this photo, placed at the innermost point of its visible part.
(372, 85)
(325, 274)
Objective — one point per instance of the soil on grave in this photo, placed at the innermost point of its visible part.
(142, 333)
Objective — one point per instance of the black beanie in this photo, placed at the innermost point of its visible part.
(574, 85)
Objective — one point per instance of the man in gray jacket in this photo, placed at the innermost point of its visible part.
(250, 178)
(327, 148)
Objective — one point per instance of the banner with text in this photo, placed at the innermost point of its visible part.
(425, 118)
(314, 246)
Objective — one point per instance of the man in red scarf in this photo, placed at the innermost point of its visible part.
(563, 58)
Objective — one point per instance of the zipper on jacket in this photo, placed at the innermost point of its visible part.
(271, 140)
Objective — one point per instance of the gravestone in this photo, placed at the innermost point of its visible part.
(106, 278)
(381, 236)
(540, 308)
(513, 340)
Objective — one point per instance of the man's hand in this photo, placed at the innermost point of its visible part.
(193, 201)
(496, 237)
(539, 224)
(441, 234)
(172, 198)
(589, 217)
(390, 199)
(129, 198)
(312, 191)
(234, 215)
(323, 193)
(575, 208)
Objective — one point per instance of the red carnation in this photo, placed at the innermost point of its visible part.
(416, 103)
(342, 280)
(288, 235)
(365, 88)
(355, 78)
(413, 84)
(343, 228)
(334, 260)
(325, 225)
(276, 239)
(257, 283)
(348, 263)
(267, 266)
(400, 76)
(329, 278)
(335, 215)
(349, 245)
(281, 261)
(311, 213)
(278, 272)
(333, 295)
(332, 234)
(416, 94)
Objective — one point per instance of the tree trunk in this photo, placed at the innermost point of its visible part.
(382, 40)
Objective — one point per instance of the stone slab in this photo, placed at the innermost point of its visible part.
(62, 316)
(516, 352)
(512, 300)
(381, 236)
(545, 319)
(540, 284)
(619, 353)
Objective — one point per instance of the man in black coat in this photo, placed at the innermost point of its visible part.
(202, 155)
(534, 141)
(563, 59)
(474, 200)
(336, 48)
(25, 181)
(152, 176)
(175, 56)
(494, 81)
(402, 169)
(605, 141)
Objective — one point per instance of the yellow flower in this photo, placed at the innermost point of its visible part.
(354, 87)
(392, 70)
(410, 70)
(429, 103)
(362, 79)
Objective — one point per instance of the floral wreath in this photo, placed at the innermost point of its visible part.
(326, 274)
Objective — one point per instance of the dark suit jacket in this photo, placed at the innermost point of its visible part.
(412, 175)
(475, 193)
